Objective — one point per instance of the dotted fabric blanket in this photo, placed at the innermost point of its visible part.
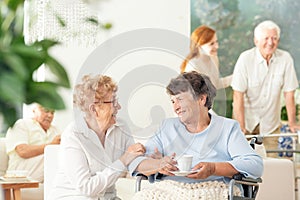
(210, 190)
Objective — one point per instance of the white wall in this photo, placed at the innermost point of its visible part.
(157, 57)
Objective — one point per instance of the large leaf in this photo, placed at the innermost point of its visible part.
(32, 58)
(59, 71)
(16, 64)
(44, 93)
(19, 61)
(7, 21)
(46, 44)
(9, 113)
(11, 88)
(5, 40)
(14, 4)
(28, 51)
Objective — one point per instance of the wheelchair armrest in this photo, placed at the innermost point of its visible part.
(139, 178)
(256, 140)
(250, 185)
(241, 177)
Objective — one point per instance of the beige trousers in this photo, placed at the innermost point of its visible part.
(34, 166)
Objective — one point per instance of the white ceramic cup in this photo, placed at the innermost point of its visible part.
(184, 162)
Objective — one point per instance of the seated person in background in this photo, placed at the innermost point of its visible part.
(218, 146)
(95, 149)
(26, 141)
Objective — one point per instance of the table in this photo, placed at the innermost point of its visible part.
(15, 188)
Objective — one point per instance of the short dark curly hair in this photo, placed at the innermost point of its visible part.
(198, 84)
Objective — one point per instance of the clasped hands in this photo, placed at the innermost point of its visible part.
(168, 164)
(132, 152)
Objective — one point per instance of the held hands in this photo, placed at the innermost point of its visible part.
(167, 164)
(206, 169)
(156, 154)
(137, 147)
(132, 152)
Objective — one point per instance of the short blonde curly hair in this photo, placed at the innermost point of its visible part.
(91, 89)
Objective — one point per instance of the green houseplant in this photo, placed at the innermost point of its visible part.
(19, 62)
(284, 114)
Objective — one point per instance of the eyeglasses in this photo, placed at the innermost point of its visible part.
(114, 102)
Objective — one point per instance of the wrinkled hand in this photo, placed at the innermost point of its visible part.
(244, 130)
(137, 147)
(167, 164)
(294, 128)
(132, 152)
(206, 169)
(156, 154)
(56, 140)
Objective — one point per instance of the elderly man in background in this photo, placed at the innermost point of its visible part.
(259, 77)
(27, 139)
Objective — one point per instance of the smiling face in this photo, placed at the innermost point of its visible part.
(267, 42)
(107, 109)
(211, 48)
(186, 107)
(43, 116)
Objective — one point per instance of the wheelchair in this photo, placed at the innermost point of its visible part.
(250, 186)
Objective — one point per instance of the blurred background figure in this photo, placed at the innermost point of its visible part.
(203, 56)
(260, 75)
(25, 144)
(27, 139)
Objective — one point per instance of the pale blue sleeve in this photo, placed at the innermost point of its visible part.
(154, 141)
(244, 158)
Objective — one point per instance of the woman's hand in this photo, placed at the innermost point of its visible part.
(137, 147)
(132, 152)
(206, 169)
(156, 154)
(167, 164)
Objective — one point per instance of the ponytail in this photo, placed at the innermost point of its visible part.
(194, 52)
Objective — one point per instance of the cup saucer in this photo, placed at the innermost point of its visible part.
(184, 173)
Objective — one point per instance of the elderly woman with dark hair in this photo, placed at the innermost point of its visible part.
(218, 146)
(97, 148)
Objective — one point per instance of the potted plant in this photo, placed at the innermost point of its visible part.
(19, 62)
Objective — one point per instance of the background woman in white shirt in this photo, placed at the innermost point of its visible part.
(203, 56)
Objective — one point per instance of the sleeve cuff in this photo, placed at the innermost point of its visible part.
(115, 167)
(133, 165)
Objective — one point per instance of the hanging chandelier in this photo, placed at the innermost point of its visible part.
(66, 21)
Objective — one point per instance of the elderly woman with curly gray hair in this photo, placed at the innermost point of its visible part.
(97, 147)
